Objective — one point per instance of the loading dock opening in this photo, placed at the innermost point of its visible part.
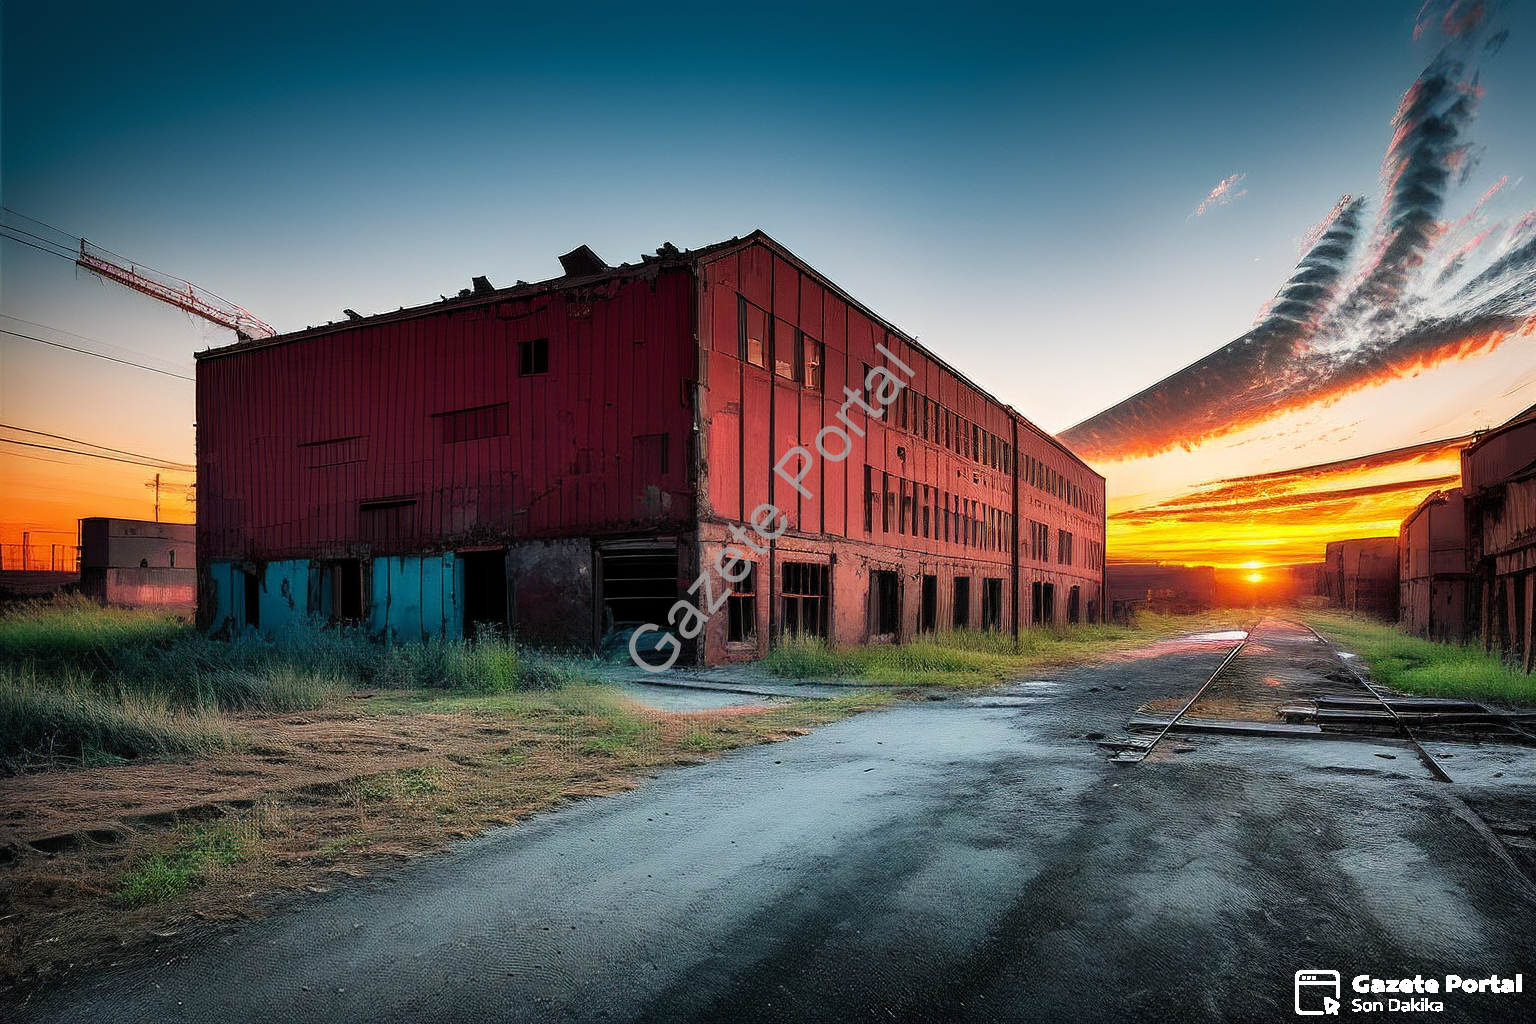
(639, 585)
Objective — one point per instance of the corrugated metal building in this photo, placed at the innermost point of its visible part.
(1498, 479)
(1433, 568)
(566, 457)
(1361, 576)
(134, 563)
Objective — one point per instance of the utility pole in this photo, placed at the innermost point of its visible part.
(156, 486)
(26, 548)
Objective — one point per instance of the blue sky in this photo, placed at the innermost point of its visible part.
(1012, 184)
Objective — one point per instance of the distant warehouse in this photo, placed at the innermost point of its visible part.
(564, 458)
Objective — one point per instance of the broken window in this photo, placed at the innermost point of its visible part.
(741, 608)
(887, 503)
(533, 357)
(962, 609)
(751, 333)
(786, 354)
(803, 599)
(814, 356)
(992, 603)
(472, 424)
(1064, 547)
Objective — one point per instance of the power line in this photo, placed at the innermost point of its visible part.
(178, 467)
(91, 444)
(40, 248)
(98, 355)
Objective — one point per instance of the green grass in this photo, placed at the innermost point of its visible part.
(1414, 665)
(202, 852)
(81, 684)
(62, 718)
(975, 657)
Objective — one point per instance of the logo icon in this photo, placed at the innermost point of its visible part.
(1317, 993)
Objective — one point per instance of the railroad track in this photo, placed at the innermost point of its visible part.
(1397, 719)
(1137, 751)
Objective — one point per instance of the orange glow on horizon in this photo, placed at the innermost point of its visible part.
(1287, 518)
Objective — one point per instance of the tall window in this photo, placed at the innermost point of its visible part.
(813, 356)
(804, 599)
(869, 499)
(1064, 547)
(786, 353)
(751, 333)
(741, 608)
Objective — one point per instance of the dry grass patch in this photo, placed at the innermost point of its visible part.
(103, 860)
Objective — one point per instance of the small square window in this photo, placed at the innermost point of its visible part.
(533, 356)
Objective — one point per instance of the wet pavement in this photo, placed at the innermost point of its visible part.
(972, 859)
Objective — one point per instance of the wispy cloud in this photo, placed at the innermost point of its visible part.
(1365, 304)
(1225, 192)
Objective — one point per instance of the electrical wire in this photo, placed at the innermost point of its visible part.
(162, 464)
(98, 355)
(91, 444)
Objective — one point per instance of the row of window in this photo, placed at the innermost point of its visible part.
(1042, 477)
(768, 341)
(918, 510)
(909, 508)
(918, 414)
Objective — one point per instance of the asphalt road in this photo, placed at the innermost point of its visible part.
(959, 860)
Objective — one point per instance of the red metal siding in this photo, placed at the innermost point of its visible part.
(271, 415)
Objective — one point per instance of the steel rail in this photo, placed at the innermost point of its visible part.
(1402, 726)
(1198, 693)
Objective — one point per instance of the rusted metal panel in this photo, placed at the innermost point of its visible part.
(376, 396)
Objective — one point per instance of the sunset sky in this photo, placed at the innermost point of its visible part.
(1068, 203)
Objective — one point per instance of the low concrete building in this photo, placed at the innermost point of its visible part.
(132, 563)
(1433, 570)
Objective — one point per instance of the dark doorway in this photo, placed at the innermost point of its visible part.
(1074, 597)
(992, 603)
(485, 592)
(962, 618)
(885, 603)
(929, 617)
(252, 599)
(342, 592)
(1048, 602)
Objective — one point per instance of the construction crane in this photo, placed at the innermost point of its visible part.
(174, 291)
(157, 285)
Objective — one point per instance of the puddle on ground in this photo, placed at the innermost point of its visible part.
(659, 698)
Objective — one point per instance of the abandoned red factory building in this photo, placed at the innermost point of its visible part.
(563, 459)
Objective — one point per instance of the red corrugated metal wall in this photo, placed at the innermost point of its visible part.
(295, 437)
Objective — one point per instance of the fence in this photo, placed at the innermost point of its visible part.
(40, 557)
